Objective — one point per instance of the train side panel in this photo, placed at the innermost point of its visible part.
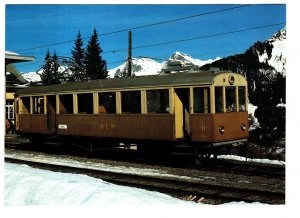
(128, 126)
(33, 124)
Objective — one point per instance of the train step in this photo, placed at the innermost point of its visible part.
(183, 149)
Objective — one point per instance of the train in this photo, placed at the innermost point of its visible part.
(202, 111)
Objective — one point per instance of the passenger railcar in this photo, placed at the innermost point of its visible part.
(200, 109)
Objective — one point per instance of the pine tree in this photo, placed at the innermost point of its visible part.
(77, 60)
(46, 76)
(94, 64)
(54, 69)
(50, 73)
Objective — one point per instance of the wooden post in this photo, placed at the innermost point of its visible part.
(129, 61)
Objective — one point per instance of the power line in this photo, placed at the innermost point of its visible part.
(140, 27)
(42, 62)
(183, 40)
(198, 37)
(178, 41)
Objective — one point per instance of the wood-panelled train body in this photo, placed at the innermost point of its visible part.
(201, 109)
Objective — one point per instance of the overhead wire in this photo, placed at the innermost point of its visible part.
(182, 40)
(195, 38)
(142, 26)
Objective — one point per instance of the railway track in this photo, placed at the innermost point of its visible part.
(222, 165)
(246, 168)
(201, 186)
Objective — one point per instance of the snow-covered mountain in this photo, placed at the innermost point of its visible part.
(277, 58)
(33, 77)
(180, 61)
(140, 67)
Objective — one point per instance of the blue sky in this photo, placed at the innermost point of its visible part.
(30, 26)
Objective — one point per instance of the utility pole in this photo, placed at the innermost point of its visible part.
(129, 60)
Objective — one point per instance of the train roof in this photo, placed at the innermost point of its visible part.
(176, 79)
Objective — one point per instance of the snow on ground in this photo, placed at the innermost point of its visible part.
(101, 166)
(28, 186)
(239, 158)
(25, 185)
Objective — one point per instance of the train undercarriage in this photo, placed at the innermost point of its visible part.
(180, 149)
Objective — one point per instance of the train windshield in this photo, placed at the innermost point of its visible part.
(219, 99)
(230, 98)
(242, 98)
(227, 98)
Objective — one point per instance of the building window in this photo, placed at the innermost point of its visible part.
(158, 101)
(230, 99)
(201, 100)
(131, 102)
(107, 102)
(10, 113)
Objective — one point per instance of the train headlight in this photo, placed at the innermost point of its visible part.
(222, 129)
(243, 127)
(231, 80)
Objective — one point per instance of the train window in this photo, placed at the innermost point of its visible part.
(107, 102)
(201, 100)
(158, 101)
(85, 103)
(51, 104)
(38, 104)
(66, 104)
(25, 105)
(230, 98)
(242, 98)
(131, 102)
(218, 99)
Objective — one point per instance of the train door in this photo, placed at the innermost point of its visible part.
(51, 113)
(181, 103)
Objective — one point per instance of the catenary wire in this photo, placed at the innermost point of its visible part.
(140, 27)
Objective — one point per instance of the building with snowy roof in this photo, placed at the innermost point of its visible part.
(14, 81)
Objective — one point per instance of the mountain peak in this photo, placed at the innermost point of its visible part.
(280, 35)
(180, 61)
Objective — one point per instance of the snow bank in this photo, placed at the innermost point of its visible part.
(251, 110)
(239, 158)
(24, 185)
